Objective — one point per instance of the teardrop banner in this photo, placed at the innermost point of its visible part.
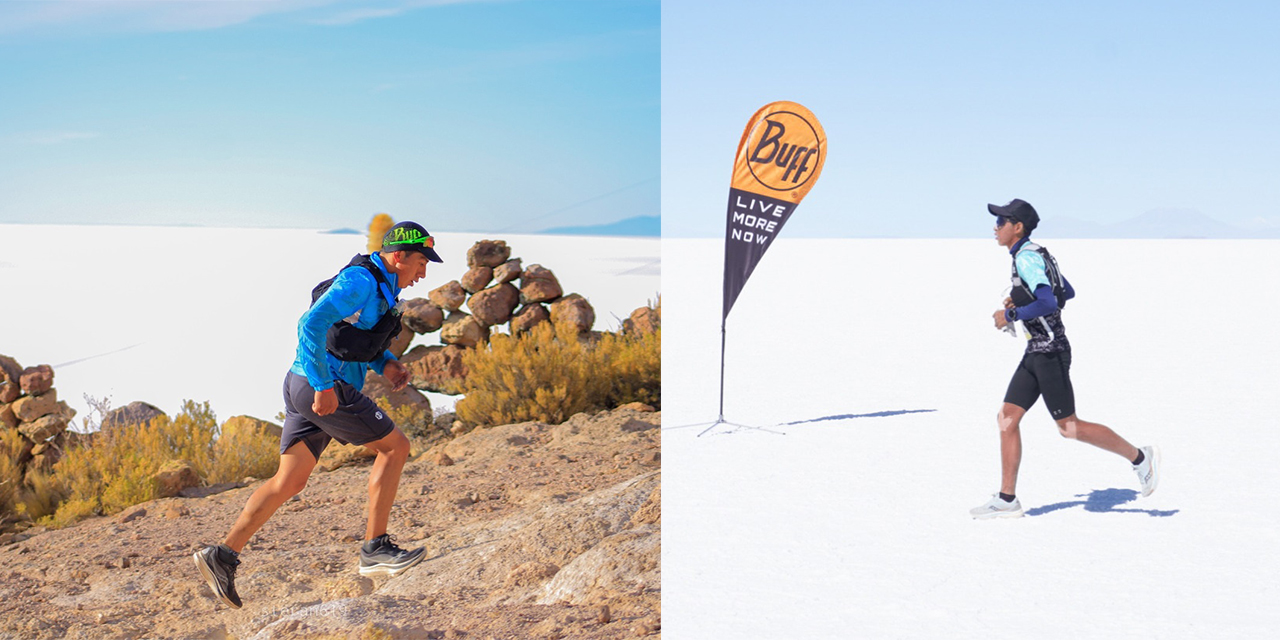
(779, 160)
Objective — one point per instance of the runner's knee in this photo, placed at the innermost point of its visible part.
(401, 444)
(394, 444)
(290, 484)
(1069, 427)
(1007, 421)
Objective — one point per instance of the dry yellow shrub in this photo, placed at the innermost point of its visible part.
(116, 469)
(634, 366)
(547, 374)
(379, 227)
(11, 445)
(243, 454)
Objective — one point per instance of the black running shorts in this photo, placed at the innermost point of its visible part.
(358, 419)
(1044, 374)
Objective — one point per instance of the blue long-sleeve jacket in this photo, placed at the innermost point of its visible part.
(354, 291)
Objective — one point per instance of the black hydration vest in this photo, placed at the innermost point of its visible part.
(344, 340)
(1023, 295)
(1045, 334)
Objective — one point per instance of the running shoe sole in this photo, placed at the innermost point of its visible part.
(387, 569)
(999, 514)
(207, 572)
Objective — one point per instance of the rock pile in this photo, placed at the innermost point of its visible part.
(496, 290)
(29, 405)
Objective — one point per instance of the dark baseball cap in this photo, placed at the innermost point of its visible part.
(1018, 211)
(410, 236)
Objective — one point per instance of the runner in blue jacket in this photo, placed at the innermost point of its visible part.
(1038, 294)
(346, 332)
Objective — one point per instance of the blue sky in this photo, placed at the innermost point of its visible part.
(492, 116)
(1098, 111)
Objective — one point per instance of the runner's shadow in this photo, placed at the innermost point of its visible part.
(846, 416)
(1102, 501)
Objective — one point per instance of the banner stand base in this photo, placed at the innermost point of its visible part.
(721, 420)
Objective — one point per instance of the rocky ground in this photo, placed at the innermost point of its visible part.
(531, 531)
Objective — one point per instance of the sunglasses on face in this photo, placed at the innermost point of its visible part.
(1001, 221)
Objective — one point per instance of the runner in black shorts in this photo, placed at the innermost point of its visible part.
(1038, 294)
(344, 334)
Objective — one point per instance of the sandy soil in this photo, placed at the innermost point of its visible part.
(531, 530)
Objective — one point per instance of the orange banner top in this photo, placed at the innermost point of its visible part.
(781, 152)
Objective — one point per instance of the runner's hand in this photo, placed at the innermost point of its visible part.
(396, 374)
(1008, 303)
(325, 403)
(998, 316)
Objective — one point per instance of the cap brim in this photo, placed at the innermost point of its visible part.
(998, 210)
(430, 253)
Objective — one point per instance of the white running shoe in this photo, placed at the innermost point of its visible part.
(1149, 469)
(997, 508)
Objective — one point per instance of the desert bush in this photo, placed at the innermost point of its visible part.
(378, 227)
(548, 374)
(634, 366)
(11, 445)
(117, 470)
(244, 454)
(41, 494)
(543, 374)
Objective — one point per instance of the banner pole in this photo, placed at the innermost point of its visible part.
(721, 418)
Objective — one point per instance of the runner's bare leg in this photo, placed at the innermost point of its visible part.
(1009, 419)
(291, 476)
(384, 480)
(1098, 435)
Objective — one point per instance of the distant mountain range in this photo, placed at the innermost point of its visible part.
(1157, 223)
(638, 226)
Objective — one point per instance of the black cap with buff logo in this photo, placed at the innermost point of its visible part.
(410, 236)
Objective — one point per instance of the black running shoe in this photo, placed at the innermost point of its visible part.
(218, 566)
(381, 556)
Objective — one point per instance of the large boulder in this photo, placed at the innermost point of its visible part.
(643, 321)
(136, 412)
(621, 563)
(448, 296)
(477, 278)
(44, 460)
(529, 317)
(495, 304)
(44, 427)
(507, 271)
(376, 386)
(10, 379)
(175, 476)
(539, 284)
(28, 408)
(37, 380)
(462, 329)
(237, 425)
(575, 310)
(401, 342)
(7, 418)
(437, 368)
(488, 253)
(422, 316)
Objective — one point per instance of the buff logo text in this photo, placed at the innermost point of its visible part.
(793, 158)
